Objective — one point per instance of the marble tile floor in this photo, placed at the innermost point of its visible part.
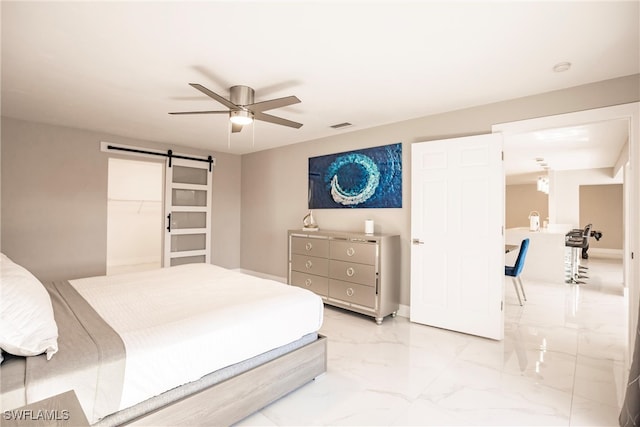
(561, 363)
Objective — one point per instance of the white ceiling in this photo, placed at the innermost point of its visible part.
(120, 67)
(589, 146)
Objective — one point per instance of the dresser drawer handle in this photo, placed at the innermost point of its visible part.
(350, 292)
(351, 251)
(350, 272)
(308, 282)
(308, 246)
(308, 264)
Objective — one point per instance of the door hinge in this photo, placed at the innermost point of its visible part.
(501, 305)
(631, 255)
(502, 156)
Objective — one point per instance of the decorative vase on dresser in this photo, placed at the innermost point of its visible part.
(355, 271)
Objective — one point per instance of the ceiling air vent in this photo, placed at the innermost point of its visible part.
(341, 125)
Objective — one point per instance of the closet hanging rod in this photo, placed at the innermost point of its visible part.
(168, 154)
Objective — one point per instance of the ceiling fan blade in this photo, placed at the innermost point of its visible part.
(235, 127)
(273, 103)
(277, 120)
(201, 112)
(215, 96)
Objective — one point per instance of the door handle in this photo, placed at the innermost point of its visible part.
(417, 242)
(169, 220)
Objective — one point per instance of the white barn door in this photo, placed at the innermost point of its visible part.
(187, 237)
(457, 220)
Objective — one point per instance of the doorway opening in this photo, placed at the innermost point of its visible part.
(134, 215)
(627, 164)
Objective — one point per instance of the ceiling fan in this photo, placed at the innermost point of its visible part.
(242, 110)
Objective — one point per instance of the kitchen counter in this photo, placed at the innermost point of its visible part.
(546, 255)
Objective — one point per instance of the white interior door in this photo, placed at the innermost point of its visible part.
(457, 220)
(187, 237)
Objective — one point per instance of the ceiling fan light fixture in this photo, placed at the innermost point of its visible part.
(241, 117)
(243, 111)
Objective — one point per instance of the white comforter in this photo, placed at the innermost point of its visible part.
(183, 322)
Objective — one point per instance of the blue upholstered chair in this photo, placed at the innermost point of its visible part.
(515, 271)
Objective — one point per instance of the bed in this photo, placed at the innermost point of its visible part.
(193, 344)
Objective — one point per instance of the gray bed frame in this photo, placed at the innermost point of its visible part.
(234, 399)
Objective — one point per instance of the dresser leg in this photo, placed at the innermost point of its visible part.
(379, 320)
(394, 314)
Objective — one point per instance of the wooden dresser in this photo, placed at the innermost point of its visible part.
(355, 271)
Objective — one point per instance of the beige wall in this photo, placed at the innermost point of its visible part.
(274, 182)
(602, 206)
(564, 192)
(520, 200)
(54, 184)
(54, 199)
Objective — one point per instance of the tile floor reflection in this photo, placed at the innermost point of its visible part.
(561, 364)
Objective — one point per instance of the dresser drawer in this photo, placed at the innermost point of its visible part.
(351, 272)
(310, 265)
(317, 284)
(360, 252)
(352, 293)
(309, 246)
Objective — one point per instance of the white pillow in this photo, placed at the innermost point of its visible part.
(27, 325)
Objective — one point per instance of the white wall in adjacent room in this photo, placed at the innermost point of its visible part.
(134, 214)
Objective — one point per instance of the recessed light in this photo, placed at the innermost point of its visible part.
(561, 66)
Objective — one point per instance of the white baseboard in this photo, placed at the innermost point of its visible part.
(605, 253)
(404, 311)
(119, 262)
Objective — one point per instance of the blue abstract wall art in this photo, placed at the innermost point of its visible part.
(367, 178)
